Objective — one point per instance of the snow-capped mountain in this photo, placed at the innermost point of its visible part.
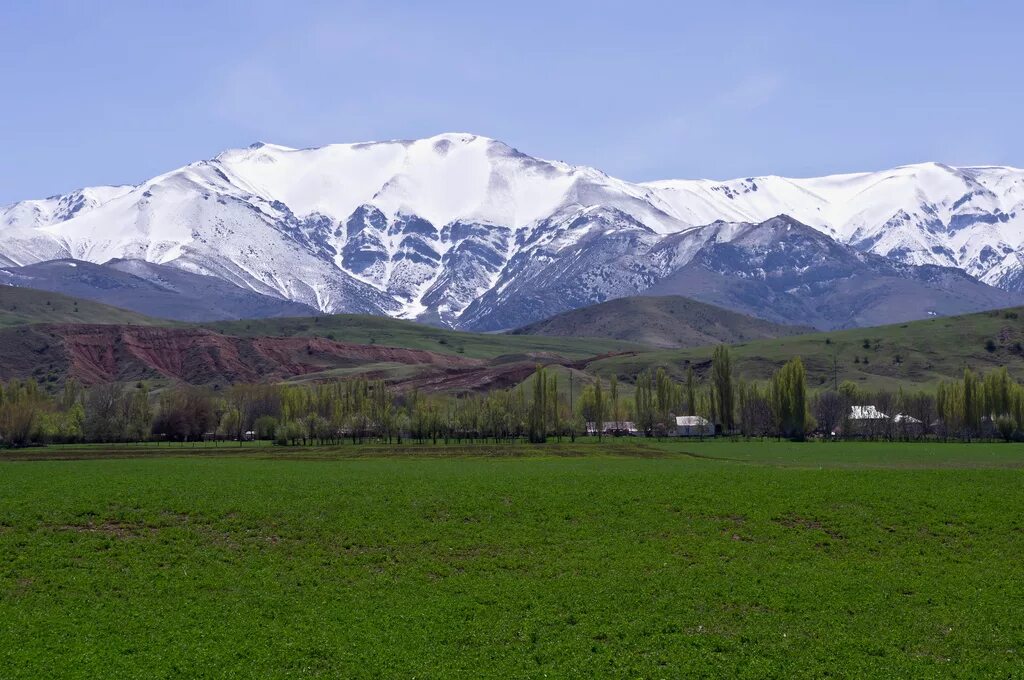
(467, 231)
(968, 218)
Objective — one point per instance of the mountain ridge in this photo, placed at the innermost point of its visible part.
(671, 321)
(440, 228)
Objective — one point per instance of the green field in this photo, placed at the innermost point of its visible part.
(619, 559)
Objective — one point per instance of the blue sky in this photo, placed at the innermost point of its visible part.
(116, 92)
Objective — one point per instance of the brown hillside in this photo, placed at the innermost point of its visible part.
(105, 353)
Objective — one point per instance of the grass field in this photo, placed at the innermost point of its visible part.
(676, 559)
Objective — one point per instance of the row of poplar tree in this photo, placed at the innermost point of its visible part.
(540, 409)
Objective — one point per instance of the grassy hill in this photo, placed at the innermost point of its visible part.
(662, 321)
(376, 330)
(916, 353)
(50, 336)
(19, 306)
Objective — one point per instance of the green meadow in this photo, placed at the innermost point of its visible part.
(619, 559)
(375, 330)
(912, 355)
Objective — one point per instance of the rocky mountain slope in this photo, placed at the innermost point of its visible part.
(787, 272)
(466, 231)
(153, 289)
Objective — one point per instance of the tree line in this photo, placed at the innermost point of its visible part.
(547, 406)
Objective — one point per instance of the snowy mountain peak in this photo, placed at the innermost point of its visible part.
(447, 177)
(448, 225)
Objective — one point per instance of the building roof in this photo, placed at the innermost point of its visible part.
(691, 421)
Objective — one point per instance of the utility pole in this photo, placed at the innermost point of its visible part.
(835, 372)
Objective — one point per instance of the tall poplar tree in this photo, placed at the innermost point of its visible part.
(691, 392)
(723, 388)
(789, 399)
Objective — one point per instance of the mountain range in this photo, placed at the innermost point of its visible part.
(466, 231)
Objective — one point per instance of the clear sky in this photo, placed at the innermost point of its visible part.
(115, 92)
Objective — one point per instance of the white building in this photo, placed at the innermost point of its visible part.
(615, 428)
(694, 426)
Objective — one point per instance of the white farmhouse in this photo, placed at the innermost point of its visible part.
(694, 426)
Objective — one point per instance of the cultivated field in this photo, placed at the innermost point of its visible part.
(620, 559)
